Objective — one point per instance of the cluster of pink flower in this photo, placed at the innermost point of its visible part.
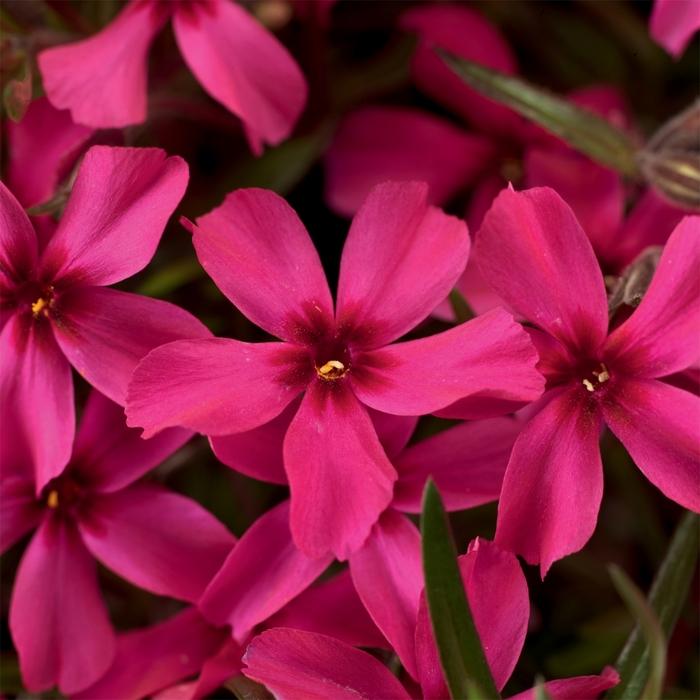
(327, 408)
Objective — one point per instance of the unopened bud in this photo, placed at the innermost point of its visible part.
(671, 160)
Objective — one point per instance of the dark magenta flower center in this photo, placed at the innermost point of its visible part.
(332, 360)
(64, 494)
(35, 298)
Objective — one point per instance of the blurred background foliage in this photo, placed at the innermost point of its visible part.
(578, 621)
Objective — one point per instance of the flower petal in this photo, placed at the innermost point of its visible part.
(577, 688)
(18, 242)
(58, 620)
(298, 665)
(660, 337)
(118, 207)
(467, 463)
(34, 376)
(46, 135)
(393, 432)
(20, 512)
(401, 258)
(490, 356)
(554, 482)
(466, 33)
(155, 657)
(339, 475)
(673, 23)
(102, 79)
(110, 456)
(331, 607)
(388, 575)
(243, 66)
(156, 539)
(215, 386)
(498, 598)
(535, 255)
(284, 288)
(659, 425)
(264, 571)
(104, 333)
(376, 144)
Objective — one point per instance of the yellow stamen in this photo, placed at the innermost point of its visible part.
(603, 375)
(38, 306)
(52, 500)
(588, 384)
(331, 370)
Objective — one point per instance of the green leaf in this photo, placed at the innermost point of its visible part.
(245, 689)
(462, 659)
(649, 624)
(580, 128)
(462, 311)
(666, 598)
(17, 93)
(170, 276)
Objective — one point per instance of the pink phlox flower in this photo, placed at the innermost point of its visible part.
(55, 308)
(299, 665)
(264, 582)
(400, 259)
(102, 79)
(96, 509)
(673, 23)
(534, 253)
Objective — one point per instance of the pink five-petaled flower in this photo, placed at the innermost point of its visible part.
(156, 539)
(400, 260)
(533, 252)
(673, 23)
(54, 306)
(102, 79)
(301, 665)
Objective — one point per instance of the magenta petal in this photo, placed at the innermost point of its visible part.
(339, 474)
(298, 665)
(110, 456)
(401, 258)
(257, 453)
(156, 657)
(595, 194)
(660, 337)
(215, 386)
(118, 208)
(533, 252)
(243, 66)
(466, 462)
(35, 376)
(104, 333)
(102, 79)
(376, 144)
(673, 23)
(554, 482)
(46, 135)
(388, 575)
(498, 598)
(156, 539)
(466, 33)
(58, 620)
(577, 688)
(490, 356)
(393, 432)
(259, 254)
(18, 242)
(659, 425)
(331, 607)
(264, 571)
(20, 512)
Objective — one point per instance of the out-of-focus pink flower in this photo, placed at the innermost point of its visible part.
(673, 23)
(264, 582)
(400, 259)
(55, 309)
(534, 253)
(102, 80)
(156, 539)
(300, 665)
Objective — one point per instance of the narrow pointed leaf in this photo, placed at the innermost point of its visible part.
(462, 658)
(667, 596)
(651, 628)
(580, 128)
